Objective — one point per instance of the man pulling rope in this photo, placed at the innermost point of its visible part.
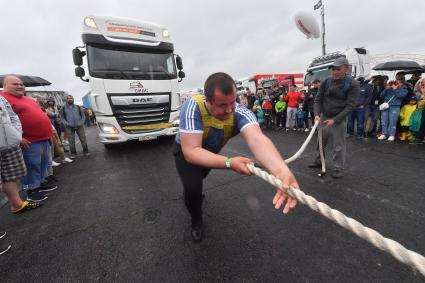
(206, 124)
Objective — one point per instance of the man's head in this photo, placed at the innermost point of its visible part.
(70, 99)
(51, 102)
(14, 86)
(220, 94)
(316, 83)
(339, 68)
(400, 76)
(378, 81)
(416, 76)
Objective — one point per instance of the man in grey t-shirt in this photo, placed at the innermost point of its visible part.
(335, 99)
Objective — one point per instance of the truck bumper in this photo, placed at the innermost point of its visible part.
(121, 136)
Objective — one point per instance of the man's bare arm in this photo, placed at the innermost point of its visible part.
(194, 153)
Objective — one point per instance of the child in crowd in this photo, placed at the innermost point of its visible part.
(280, 108)
(416, 121)
(300, 118)
(267, 109)
(259, 113)
(405, 114)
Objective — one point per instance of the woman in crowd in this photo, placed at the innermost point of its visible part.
(392, 98)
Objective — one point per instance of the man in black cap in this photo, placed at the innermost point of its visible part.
(336, 98)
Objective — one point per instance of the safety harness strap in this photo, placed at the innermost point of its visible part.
(211, 122)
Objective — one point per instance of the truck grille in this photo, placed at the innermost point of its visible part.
(130, 113)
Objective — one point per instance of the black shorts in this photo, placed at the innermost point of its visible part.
(12, 165)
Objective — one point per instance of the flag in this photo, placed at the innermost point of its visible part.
(318, 5)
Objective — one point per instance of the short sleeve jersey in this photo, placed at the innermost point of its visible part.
(191, 122)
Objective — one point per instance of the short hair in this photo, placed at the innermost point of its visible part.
(385, 77)
(316, 81)
(221, 81)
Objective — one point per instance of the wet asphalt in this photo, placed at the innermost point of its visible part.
(118, 215)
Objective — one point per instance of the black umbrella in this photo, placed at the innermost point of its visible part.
(402, 65)
(29, 81)
(421, 70)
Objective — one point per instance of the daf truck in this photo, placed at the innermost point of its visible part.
(359, 59)
(133, 74)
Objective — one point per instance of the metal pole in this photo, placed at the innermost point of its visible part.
(322, 12)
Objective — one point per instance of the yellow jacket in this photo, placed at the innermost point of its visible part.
(405, 113)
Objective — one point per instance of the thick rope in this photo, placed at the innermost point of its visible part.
(321, 153)
(402, 254)
(303, 147)
(318, 126)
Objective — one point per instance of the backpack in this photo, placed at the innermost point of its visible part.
(10, 137)
(347, 82)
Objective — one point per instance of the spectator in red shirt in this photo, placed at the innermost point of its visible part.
(36, 133)
(293, 98)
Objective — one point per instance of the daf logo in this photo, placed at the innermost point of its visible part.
(138, 87)
(142, 100)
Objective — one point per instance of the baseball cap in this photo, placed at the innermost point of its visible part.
(339, 62)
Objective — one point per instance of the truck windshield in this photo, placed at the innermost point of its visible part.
(319, 74)
(117, 62)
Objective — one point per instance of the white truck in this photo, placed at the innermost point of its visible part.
(133, 74)
(359, 59)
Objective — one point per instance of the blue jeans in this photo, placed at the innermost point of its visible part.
(36, 158)
(371, 118)
(356, 114)
(389, 119)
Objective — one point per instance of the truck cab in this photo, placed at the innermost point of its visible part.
(359, 59)
(133, 75)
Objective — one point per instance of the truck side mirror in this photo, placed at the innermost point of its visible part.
(77, 56)
(179, 63)
(181, 75)
(79, 72)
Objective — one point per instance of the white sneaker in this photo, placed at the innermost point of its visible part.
(382, 137)
(306, 130)
(67, 160)
(391, 138)
(54, 163)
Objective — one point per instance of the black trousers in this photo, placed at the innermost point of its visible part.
(191, 177)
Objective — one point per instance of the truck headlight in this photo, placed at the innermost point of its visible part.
(90, 22)
(108, 129)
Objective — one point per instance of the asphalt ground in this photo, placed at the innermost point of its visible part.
(118, 215)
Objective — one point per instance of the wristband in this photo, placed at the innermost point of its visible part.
(228, 162)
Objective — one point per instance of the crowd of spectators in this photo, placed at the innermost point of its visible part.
(386, 110)
(34, 137)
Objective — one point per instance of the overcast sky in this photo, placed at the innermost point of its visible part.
(241, 38)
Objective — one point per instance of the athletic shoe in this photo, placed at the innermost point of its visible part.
(49, 186)
(67, 160)
(391, 138)
(36, 196)
(197, 230)
(382, 137)
(54, 163)
(87, 154)
(27, 205)
(73, 156)
(306, 130)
